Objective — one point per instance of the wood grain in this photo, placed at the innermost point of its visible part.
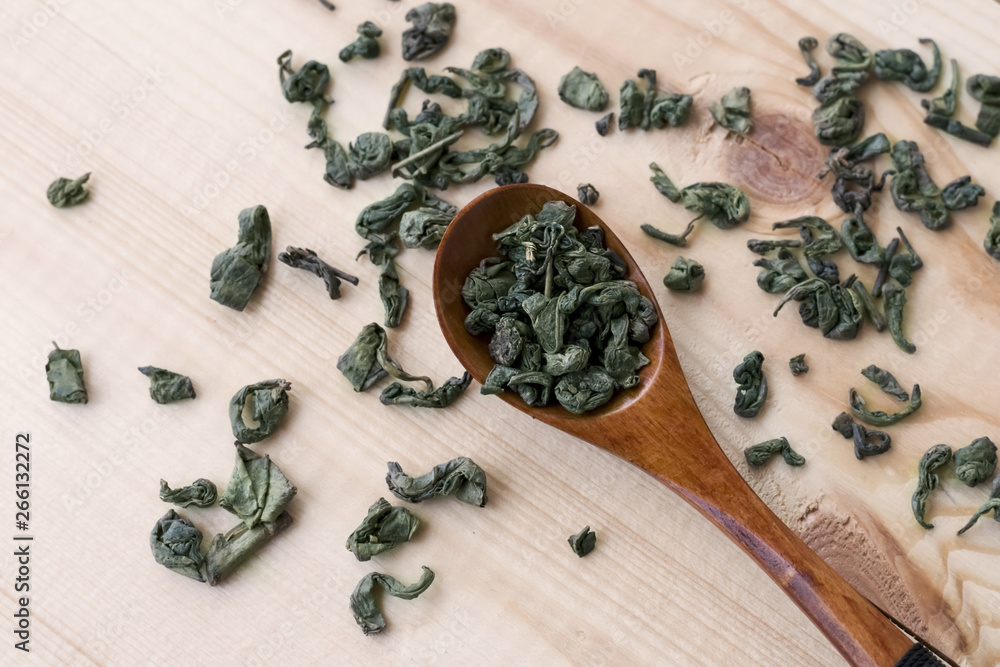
(175, 108)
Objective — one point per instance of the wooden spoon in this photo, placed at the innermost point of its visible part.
(658, 427)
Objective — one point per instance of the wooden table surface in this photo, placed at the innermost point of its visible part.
(176, 109)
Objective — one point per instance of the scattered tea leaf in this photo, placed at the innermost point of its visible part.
(604, 124)
(369, 155)
(176, 545)
(854, 182)
(383, 528)
(945, 104)
(797, 364)
(986, 89)
(583, 90)
(382, 251)
(733, 112)
(236, 272)
(307, 260)
(365, 45)
(652, 108)
(806, 46)
(442, 397)
(927, 480)
(367, 614)
(844, 425)
(993, 504)
(64, 372)
(760, 454)
(860, 240)
(460, 476)
(869, 443)
(831, 308)
(895, 299)
(992, 241)
(232, 549)
(583, 542)
(257, 491)
(781, 274)
(762, 246)
(432, 26)
(587, 194)
(752, 390)
(663, 184)
(866, 305)
(878, 418)
(257, 410)
(977, 462)
(64, 192)
(686, 275)
(886, 382)
(201, 493)
(906, 66)
(166, 386)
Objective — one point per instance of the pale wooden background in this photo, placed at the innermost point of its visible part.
(125, 280)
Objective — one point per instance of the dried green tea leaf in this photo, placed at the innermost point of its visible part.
(927, 480)
(851, 54)
(988, 120)
(797, 364)
(781, 274)
(679, 240)
(831, 308)
(257, 491)
(424, 227)
(307, 260)
(752, 390)
(583, 90)
(686, 275)
(587, 194)
(869, 443)
(663, 184)
(764, 246)
(866, 305)
(961, 193)
(839, 121)
(65, 192)
(958, 129)
(366, 612)
(382, 250)
(806, 46)
(945, 105)
(604, 124)
(878, 418)
(64, 371)
(383, 528)
(906, 66)
(583, 390)
(976, 462)
(166, 386)
(904, 262)
(369, 155)
(844, 425)
(257, 410)
(895, 299)
(733, 112)
(854, 182)
(886, 382)
(986, 89)
(232, 549)
(365, 45)
(992, 241)
(583, 542)
(359, 363)
(176, 545)
(993, 504)
(818, 236)
(305, 85)
(652, 108)
(760, 454)
(201, 493)
(442, 397)
(432, 25)
(509, 338)
(912, 188)
(860, 240)
(460, 476)
(725, 206)
(236, 272)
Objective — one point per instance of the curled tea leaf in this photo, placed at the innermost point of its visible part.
(733, 111)
(760, 454)
(886, 382)
(961, 193)
(686, 275)
(806, 46)
(589, 389)
(663, 184)
(878, 418)
(752, 390)
(895, 299)
(912, 188)
(382, 250)
(797, 364)
(860, 240)
(986, 89)
(839, 121)
(993, 504)
(587, 194)
(831, 308)
(944, 106)
(818, 236)
(432, 26)
(232, 549)
(992, 241)
(257, 491)
(906, 66)
(854, 182)
(851, 54)
(604, 124)
(424, 227)
(652, 108)
(64, 372)
(460, 477)
(176, 545)
(64, 192)
(844, 425)
(679, 240)
(762, 246)
(583, 542)
(781, 274)
(236, 272)
(383, 528)
(903, 262)
(201, 493)
(257, 410)
(370, 154)
(725, 206)
(166, 386)
(959, 129)
(359, 363)
(367, 614)
(927, 480)
(869, 443)
(583, 90)
(442, 397)
(307, 260)
(866, 305)
(365, 46)
(977, 462)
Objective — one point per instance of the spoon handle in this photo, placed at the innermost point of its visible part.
(693, 465)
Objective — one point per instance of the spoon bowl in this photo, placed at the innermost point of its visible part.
(658, 427)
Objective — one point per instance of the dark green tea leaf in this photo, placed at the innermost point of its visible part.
(257, 491)
(237, 271)
(797, 364)
(460, 476)
(733, 112)
(432, 25)
(906, 66)
(583, 90)
(993, 504)
(366, 612)
(992, 241)
(257, 410)
(383, 528)
(307, 260)
(64, 192)
(878, 418)
(176, 545)
(806, 46)
(686, 275)
(166, 386)
(201, 493)
(583, 542)
(442, 397)
(927, 480)
(64, 371)
(886, 382)
(752, 390)
(760, 454)
(895, 299)
(232, 549)
(365, 45)
(976, 462)
(587, 194)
